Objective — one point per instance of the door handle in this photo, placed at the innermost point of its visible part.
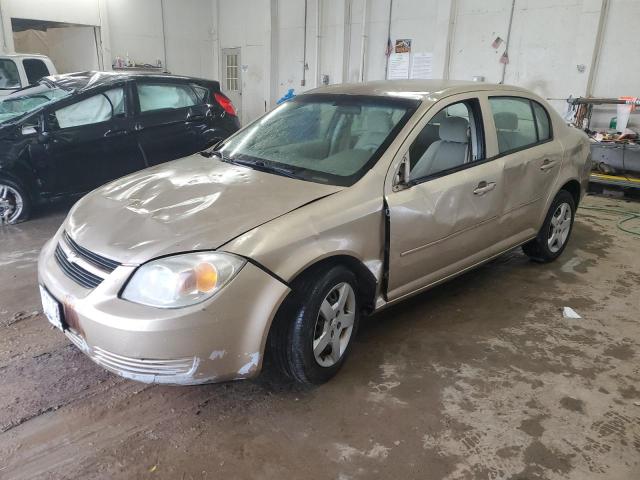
(194, 117)
(547, 164)
(484, 187)
(138, 127)
(115, 133)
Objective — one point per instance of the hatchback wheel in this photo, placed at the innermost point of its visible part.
(315, 329)
(14, 203)
(554, 234)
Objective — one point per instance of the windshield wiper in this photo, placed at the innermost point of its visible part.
(269, 168)
(259, 165)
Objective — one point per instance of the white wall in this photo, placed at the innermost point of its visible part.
(549, 39)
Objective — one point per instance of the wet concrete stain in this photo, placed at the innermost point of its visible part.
(481, 378)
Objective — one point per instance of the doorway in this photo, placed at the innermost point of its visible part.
(232, 77)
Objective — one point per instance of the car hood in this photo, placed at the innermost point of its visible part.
(195, 203)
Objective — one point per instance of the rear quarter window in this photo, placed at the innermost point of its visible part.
(542, 121)
(35, 69)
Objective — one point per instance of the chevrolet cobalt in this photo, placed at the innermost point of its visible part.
(339, 202)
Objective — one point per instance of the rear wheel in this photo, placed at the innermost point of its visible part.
(15, 205)
(554, 234)
(315, 329)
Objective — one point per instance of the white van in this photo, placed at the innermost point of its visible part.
(18, 70)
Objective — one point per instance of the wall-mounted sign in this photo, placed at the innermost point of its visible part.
(403, 45)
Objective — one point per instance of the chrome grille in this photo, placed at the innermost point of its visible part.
(75, 272)
(99, 261)
(86, 268)
(136, 366)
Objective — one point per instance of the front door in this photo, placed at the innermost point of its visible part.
(89, 142)
(232, 77)
(443, 219)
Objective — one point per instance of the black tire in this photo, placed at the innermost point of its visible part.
(294, 329)
(538, 249)
(25, 213)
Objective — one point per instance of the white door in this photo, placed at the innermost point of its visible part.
(232, 77)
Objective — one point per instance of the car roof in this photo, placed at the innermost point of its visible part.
(80, 81)
(23, 55)
(425, 90)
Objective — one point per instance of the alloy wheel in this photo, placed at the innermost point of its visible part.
(334, 325)
(11, 204)
(559, 227)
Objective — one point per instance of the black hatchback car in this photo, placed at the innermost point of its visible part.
(69, 134)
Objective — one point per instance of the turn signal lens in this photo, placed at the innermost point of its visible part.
(206, 277)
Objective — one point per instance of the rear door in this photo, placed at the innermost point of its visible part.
(171, 119)
(88, 141)
(444, 220)
(532, 159)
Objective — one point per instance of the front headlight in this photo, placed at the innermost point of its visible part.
(182, 280)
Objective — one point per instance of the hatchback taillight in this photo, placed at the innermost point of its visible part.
(225, 103)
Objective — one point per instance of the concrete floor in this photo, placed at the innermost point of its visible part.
(479, 379)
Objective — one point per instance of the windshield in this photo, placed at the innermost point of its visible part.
(9, 77)
(333, 139)
(29, 99)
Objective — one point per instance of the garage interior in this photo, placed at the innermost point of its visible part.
(484, 377)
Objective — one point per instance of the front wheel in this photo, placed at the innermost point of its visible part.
(554, 234)
(315, 330)
(15, 205)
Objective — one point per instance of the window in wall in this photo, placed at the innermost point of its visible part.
(35, 70)
(542, 120)
(9, 76)
(232, 70)
(163, 96)
(449, 140)
(514, 122)
(96, 109)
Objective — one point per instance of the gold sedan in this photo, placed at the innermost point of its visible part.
(341, 201)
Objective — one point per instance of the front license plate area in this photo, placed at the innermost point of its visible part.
(52, 309)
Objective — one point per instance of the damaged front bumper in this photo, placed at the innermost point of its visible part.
(220, 339)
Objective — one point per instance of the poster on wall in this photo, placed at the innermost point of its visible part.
(403, 45)
(400, 60)
(398, 66)
(422, 65)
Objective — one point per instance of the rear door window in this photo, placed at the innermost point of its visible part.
(9, 76)
(35, 69)
(166, 96)
(515, 125)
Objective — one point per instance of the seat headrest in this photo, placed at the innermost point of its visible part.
(454, 129)
(506, 121)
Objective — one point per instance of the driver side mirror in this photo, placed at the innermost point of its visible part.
(401, 179)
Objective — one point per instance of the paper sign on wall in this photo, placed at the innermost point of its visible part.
(422, 65)
(398, 66)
